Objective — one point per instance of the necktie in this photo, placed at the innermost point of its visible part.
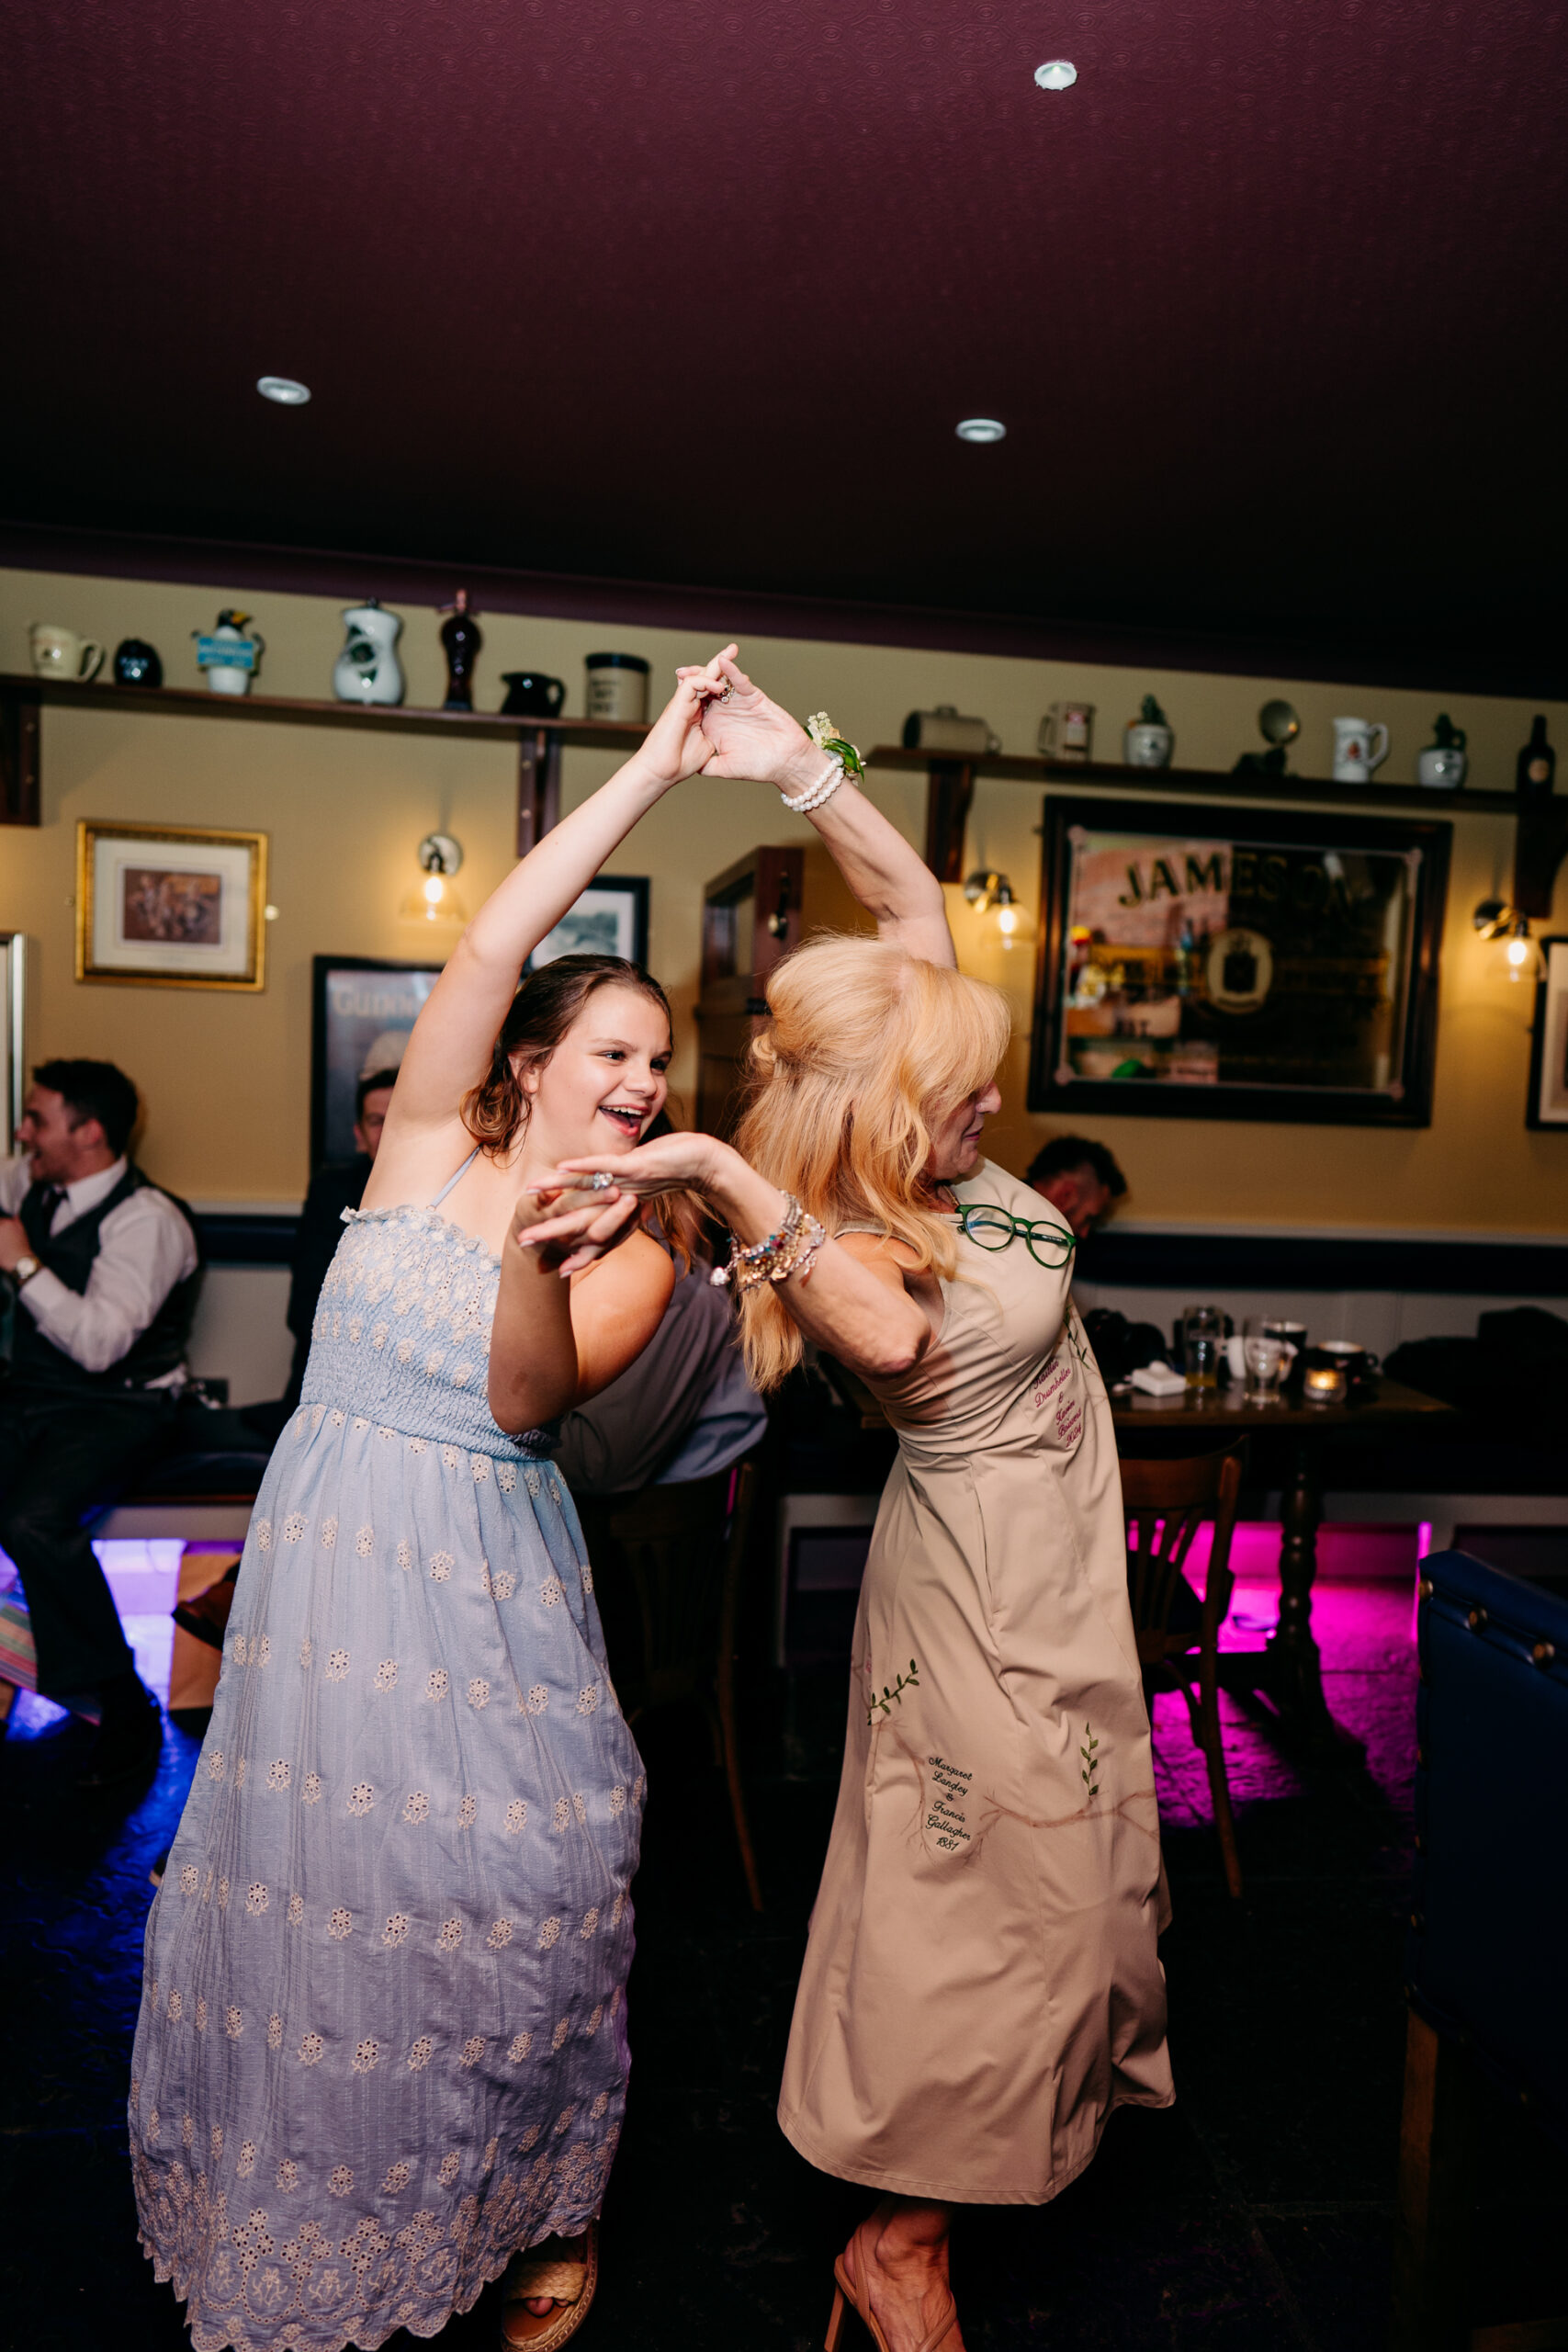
(39, 1214)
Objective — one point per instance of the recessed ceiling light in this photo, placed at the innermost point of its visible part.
(284, 390)
(981, 428)
(1057, 75)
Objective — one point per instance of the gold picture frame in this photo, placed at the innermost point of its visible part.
(171, 906)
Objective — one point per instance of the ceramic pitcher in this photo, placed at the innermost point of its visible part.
(368, 669)
(1354, 757)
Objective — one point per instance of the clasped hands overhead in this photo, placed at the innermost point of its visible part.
(718, 723)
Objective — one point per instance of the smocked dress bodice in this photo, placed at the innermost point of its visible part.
(403, 1332)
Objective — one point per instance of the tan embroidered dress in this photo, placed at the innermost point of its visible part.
(981, 1985)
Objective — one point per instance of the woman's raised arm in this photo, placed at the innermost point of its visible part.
(751, 736)
(450, 1049)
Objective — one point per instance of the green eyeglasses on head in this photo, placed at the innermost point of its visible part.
(990, 1227)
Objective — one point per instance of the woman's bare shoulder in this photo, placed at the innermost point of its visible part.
(637, 1266)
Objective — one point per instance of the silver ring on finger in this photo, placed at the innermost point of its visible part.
(600, 1181)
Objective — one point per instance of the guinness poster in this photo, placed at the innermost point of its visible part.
(1236, 963)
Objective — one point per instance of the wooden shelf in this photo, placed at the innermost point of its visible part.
(1187, 782)
(1540, 837)
(1541, 841)
(200, 702)
(539, 740)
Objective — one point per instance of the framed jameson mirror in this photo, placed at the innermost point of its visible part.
(1219, 963)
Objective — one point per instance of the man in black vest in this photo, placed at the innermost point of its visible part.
(106, 1269)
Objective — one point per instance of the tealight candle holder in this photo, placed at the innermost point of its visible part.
(1324, 1385)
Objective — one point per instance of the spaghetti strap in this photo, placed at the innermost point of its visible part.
(451, 1181)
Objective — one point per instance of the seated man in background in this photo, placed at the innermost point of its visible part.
(1079, 1178)
(106, 1269)
(337, 1184)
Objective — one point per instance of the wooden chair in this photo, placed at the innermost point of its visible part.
(668, 1563)
(1166, 1503)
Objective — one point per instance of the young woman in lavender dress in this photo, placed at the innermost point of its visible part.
(382, 2045)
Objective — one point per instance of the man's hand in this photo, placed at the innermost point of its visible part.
(14, 1242)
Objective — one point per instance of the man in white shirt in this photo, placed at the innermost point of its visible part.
(104, 1268)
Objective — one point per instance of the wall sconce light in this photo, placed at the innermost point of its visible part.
(1003, 922)
(1519, 955)
(434, 899)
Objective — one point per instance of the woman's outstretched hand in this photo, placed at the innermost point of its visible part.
(670, 1164)
(747, 734)
(570, 1227)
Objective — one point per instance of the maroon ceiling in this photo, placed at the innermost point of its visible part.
(1270, 303)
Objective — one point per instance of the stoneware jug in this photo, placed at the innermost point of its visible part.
(1354, 756)
(1445, 763)
(1149, 738)
(61, 654)
(368, 669)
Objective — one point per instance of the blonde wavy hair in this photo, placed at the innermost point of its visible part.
(867, 1050)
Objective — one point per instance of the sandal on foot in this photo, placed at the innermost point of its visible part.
(569, 2279)
(846, 2297)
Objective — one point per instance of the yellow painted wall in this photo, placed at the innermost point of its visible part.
(226, 1079)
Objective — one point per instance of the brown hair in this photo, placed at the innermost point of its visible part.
(496, 1111)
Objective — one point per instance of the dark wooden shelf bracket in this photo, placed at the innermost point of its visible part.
(948, 795)
(1541, 845)
(19, 707)
(538, 786)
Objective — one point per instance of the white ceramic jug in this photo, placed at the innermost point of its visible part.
(368, 669)
(1354, 758)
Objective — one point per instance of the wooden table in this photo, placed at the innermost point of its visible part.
(1288, 1671)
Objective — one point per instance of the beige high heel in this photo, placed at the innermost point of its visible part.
(846, 2298)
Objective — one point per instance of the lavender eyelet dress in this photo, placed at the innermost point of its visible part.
(382, 2038)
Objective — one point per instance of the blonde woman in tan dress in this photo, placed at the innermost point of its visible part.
(981, 1985)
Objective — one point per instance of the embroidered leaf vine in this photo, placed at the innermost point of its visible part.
(1091, 1767)
(893, 1690)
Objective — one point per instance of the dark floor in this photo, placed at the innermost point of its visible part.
(1255, 2212)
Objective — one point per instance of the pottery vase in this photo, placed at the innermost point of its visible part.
(368, 671)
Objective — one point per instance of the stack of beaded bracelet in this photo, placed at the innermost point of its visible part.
(791, 1250)
(827, 783)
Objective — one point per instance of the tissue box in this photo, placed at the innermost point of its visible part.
(1158, 1380)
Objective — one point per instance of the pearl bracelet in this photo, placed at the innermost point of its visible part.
(827, 783)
